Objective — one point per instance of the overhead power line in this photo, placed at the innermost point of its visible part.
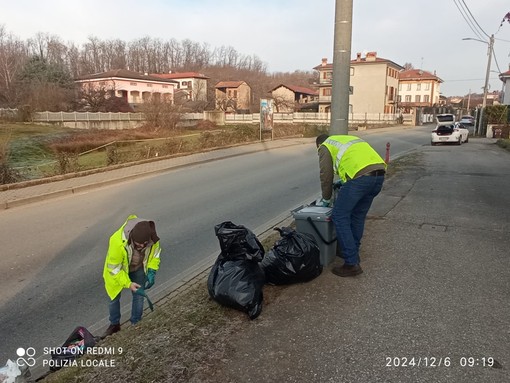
(468, 20)
(467, 8)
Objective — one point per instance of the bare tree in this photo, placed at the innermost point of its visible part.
(160, 114)
(408, 66)
(13, 56)
(94, 97)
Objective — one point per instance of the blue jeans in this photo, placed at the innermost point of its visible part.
(137, 276)
(351, 207)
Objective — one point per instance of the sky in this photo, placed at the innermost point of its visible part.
(289, 35)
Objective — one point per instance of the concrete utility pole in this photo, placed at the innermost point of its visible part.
(486, 86)
(341, 68)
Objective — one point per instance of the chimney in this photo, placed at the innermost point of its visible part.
(358, 56)
(371, 56)
(324, 61)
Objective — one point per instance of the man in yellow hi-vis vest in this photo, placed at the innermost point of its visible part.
(131, 263)
(361, 175)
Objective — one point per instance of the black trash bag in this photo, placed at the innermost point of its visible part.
(238, 242)
(75, 346)
(238, 284)
(294, 258)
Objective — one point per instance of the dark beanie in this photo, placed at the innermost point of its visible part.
(144, 231)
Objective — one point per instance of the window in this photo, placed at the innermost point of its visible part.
(391, 94)
(165, 86)
(235, 93)
(417, 98)
(408, 86)
(149, 85)
(132, 83)
(400, 87)
(326, 92)
(418, 86)
(408, 98)
(426, 98)
(427, 86)
(352, 71)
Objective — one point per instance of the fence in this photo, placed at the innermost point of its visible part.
(86, 116)
(319, 118)
(111, 120)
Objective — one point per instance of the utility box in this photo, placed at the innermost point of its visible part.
(317, 221)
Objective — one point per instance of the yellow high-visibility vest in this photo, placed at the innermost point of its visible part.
(351, 154)
(116, 266)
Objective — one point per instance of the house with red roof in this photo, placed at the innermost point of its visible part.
(373, 84)
(133, 87)
(289, 98)
(190, 85)
(418, 88)
(233, 96)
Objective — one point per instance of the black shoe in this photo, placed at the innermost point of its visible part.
(112, 329)
(347, 270)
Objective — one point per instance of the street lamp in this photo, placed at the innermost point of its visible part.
(486, 86)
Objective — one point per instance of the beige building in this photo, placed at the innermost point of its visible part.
(233, 96)
(373, 84)
(418, 88)
(289, 98)
(134, 87)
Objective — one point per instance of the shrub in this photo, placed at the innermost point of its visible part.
(67, 163)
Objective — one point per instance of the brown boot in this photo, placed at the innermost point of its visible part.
(347, 270)
(112, 329)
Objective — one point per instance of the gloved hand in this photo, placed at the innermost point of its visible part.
(337, 185)
(151, 277)
(323, 202)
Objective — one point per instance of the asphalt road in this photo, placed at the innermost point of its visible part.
(53, 251)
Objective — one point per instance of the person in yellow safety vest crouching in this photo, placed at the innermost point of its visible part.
(131, 263)
(361, 171)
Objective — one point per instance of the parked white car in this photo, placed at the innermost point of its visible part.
(448, 131)
(446, 134)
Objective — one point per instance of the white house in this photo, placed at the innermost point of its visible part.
(418, 88)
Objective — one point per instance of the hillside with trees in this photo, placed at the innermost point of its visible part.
(39, 72)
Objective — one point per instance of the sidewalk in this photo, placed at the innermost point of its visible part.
(434, 292)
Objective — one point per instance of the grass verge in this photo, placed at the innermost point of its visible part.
(183, 340)
(504, 143)
(41, 151)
